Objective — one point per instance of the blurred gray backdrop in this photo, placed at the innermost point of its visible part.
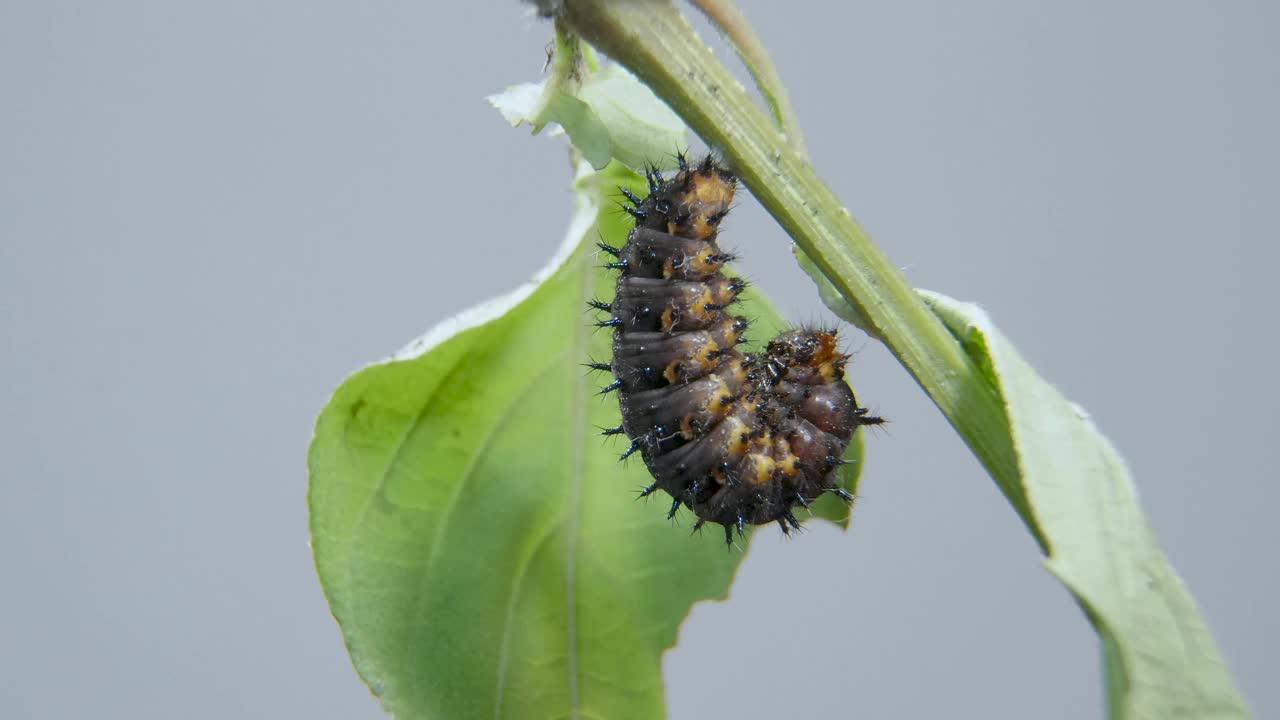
(211, 212)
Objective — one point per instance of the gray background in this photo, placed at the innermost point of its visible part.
(211, 212)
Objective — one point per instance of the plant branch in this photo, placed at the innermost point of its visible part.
(655, 42)
(729, 20)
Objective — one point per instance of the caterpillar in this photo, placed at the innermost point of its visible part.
(738, 438)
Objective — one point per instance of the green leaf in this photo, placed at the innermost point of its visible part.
(535, 104)
(523, 103)
(478, 542)
(608, 114)
(1160, 660)
(587, 132)
(642, 129)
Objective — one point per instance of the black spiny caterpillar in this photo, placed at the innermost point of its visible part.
(737, 438)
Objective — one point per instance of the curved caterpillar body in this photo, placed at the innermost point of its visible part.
(737, 438)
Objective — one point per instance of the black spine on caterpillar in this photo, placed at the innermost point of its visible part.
(738, 438)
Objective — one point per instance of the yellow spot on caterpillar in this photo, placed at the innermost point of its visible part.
(668, 319)
(703, 264)
(828, 371)
(787, 461)
(672, 372)
(720, 399)
(706, 354)
(721, 295)
(763, 467)
(699, 309)
(737, 371)
(708, 189)
(699, 228)
(793, 466)
(739, 437)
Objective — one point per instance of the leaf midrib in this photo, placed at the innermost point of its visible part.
(578, 412)
(569, 521)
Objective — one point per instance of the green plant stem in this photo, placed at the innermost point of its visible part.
(655, 42)
(729, 20)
